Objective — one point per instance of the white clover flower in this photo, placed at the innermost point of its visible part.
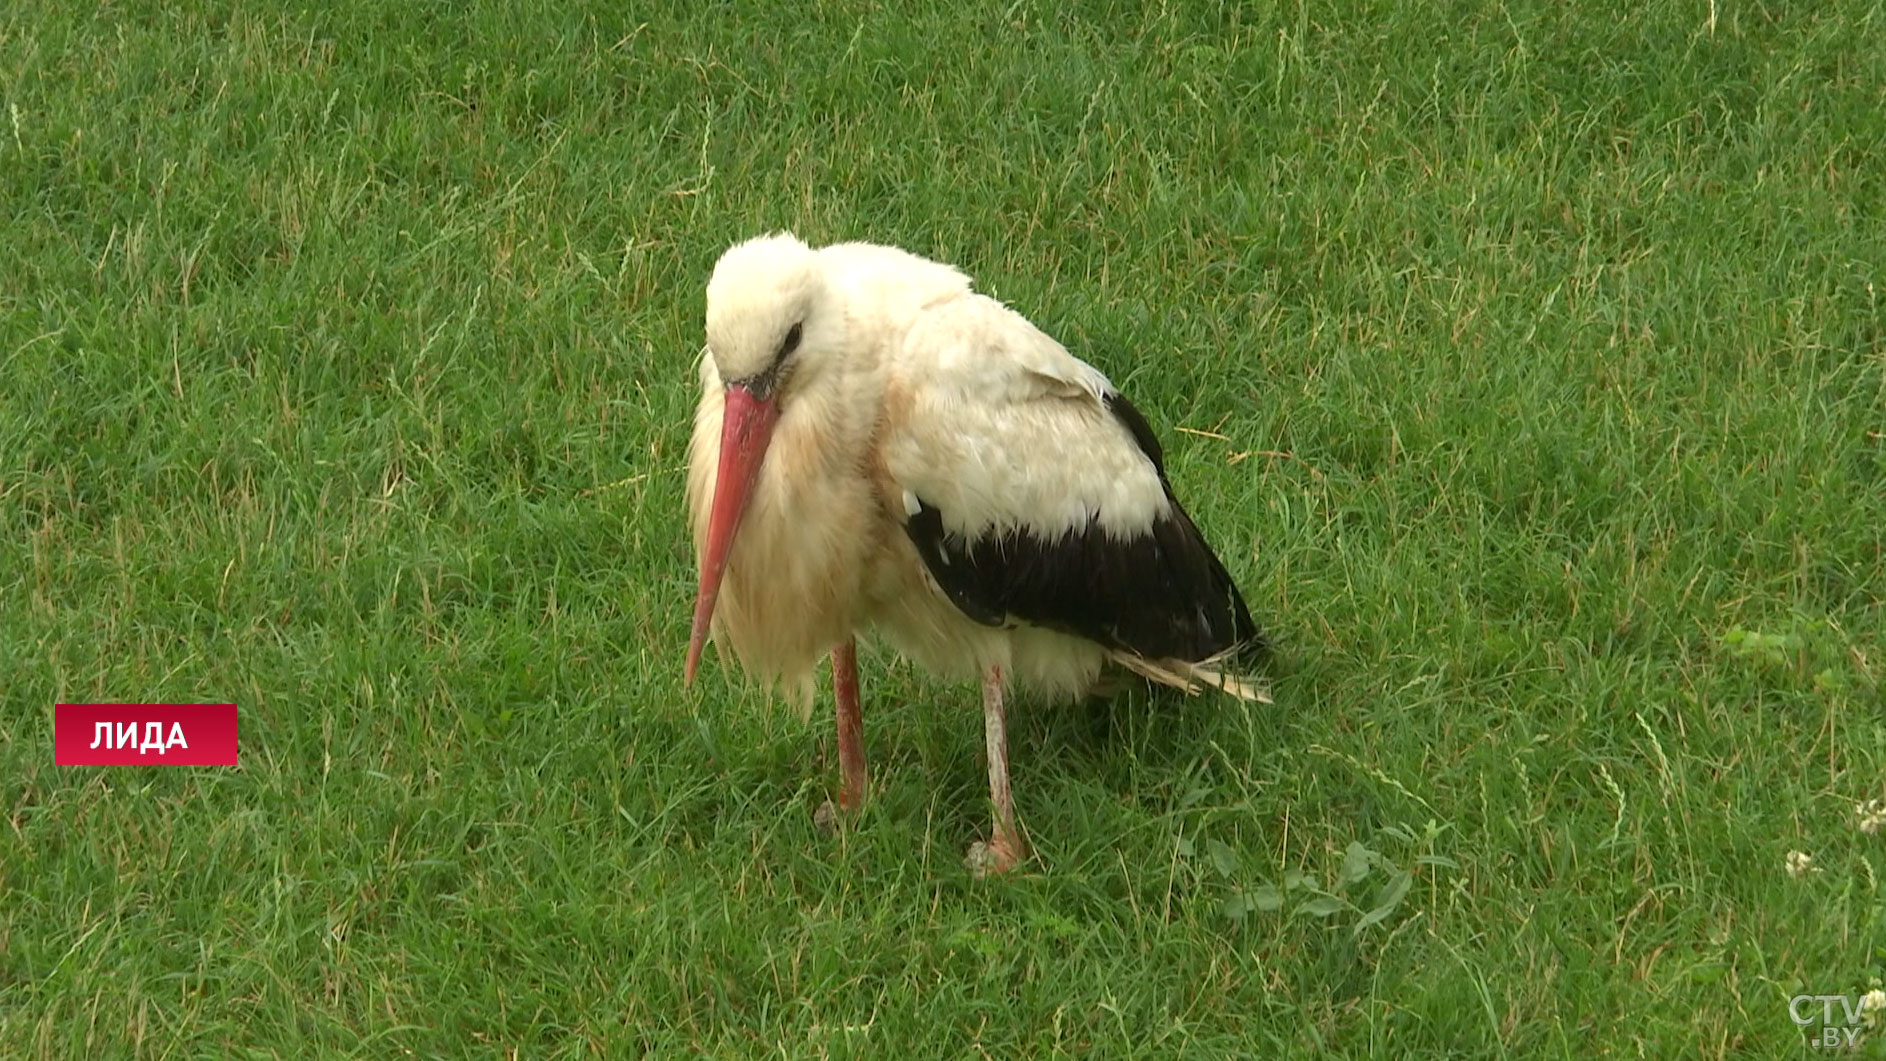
(1872, 1004)
(1800, 864)
(1871, 815)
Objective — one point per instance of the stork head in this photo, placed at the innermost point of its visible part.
(761, 304)
(768, 331)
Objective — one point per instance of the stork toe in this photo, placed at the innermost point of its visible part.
(993, 857)
(827, 818)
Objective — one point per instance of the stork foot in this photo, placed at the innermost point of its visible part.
(834, 813)
(994, 857)
(827, 818)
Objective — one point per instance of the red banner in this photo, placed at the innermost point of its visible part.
(165, 734)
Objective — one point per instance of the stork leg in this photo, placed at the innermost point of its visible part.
(1005, 848)
(852, 778)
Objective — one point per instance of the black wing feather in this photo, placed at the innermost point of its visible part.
(1161, 593)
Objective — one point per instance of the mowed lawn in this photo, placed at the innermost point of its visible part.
(1526, 363)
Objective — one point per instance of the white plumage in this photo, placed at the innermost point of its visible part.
(903, 456)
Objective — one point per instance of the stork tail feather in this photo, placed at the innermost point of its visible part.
(1191, 677)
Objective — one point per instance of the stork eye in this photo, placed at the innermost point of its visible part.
(793, 335)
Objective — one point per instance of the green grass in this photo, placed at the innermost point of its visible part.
(345, 373)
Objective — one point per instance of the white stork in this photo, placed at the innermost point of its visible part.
(881, 449)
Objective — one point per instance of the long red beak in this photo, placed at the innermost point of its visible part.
(746, 426)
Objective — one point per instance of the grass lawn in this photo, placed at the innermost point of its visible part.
(1526, 363)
